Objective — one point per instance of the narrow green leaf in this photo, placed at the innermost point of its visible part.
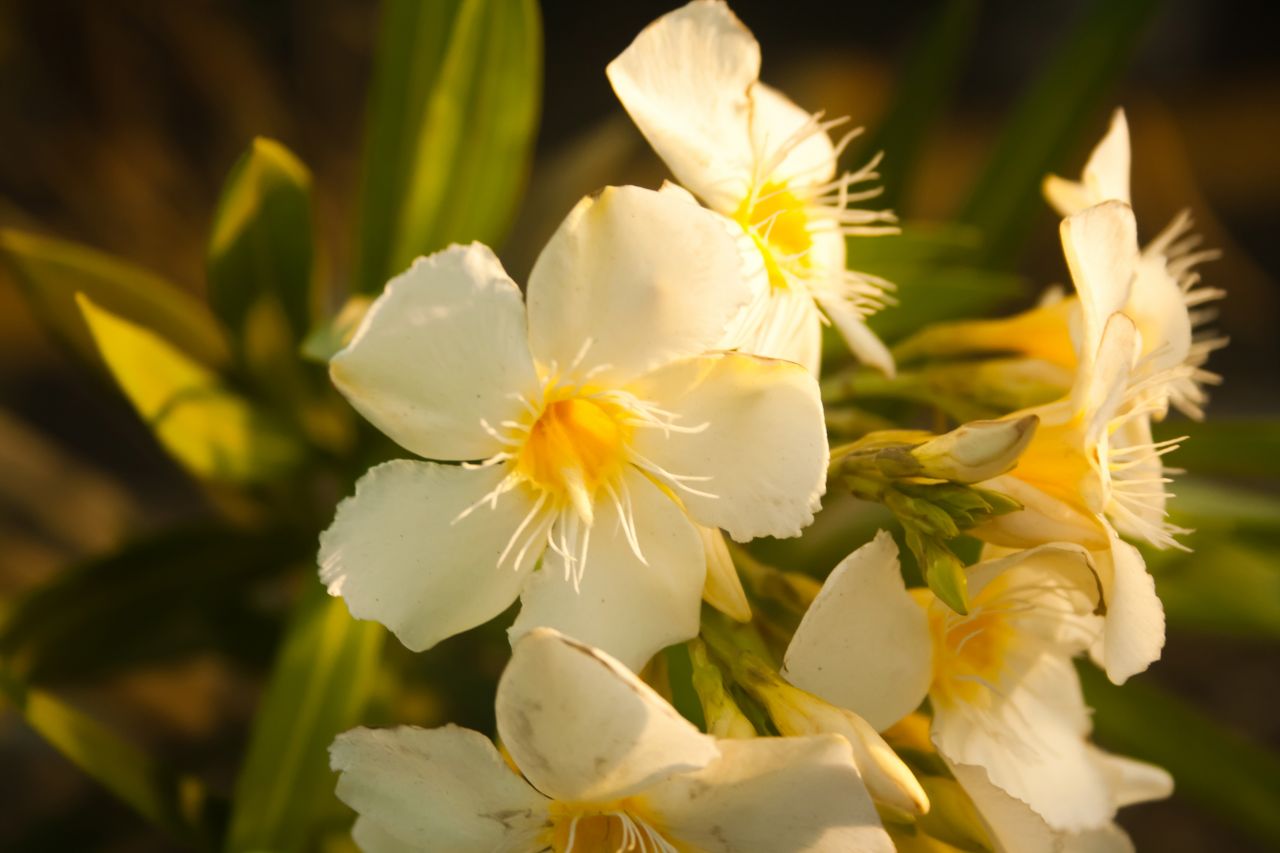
(323, 679)
(1048, 123)
(931, 71)
(154, 599)
(1218, 769)
(173, 803)
(260, 245)
(453, 115)
(212, 431)
(51, 272)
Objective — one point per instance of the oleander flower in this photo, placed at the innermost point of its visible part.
(1092, 468)
(599, 763)
(1000, 680)
(1015, 828)
(1162, 296)
(596, 434)
(690, 81)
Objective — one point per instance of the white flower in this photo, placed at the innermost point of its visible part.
(1092, 467)
(1000, 680)
(1015, 828)
(607, 766)
(1162, 294)
(690, 81)
(596, 433)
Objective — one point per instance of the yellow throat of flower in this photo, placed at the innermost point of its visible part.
(604, 828)
(969, 652)
(775, 218)
(1057, 462)
(575, 446)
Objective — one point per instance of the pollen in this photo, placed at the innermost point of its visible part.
(575, 443)
(775, 218)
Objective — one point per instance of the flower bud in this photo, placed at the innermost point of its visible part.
(977, 451)
(798, 713)
(724, 718)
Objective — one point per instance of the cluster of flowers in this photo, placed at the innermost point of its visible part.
(656, 386)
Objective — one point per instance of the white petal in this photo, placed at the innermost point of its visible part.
(1102, 384)
(773, 794)
(783, 324)
(625, 607)
(1042, 519)
(631, 280)
(685, 81)
(1058, 577)
(442, 349)
(1101, 247)
(828, 256)
(434, 789)
(789, 140)
(582, 728)
(1132, 781)
(399, 554)
(1158, 307)
(763, 452)
(1133, 634)
(1105, 839)
(863, 343)
(1031, 741)
(723, 588)
(1014, 827)
(1066, 196)
(1106, 174)
(370, 837)
(864, 643)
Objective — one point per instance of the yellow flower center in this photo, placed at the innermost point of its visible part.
(604, 828)
(576, 443)
(969, 651)
(780, 228)
(1054, 464)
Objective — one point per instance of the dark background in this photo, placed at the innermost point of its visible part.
(119, 120)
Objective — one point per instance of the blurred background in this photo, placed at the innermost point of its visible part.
(119, 122)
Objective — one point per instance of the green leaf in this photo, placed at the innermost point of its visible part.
(173, 803)
(1239, 448)
(51, 272)
(922, 91)
(323, 679)
(154, 599)
(453, 115)
(260, 245)
(1048, 122)
(1226, 588)
(214, 432)
(1215, 510)
(1221, 771)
